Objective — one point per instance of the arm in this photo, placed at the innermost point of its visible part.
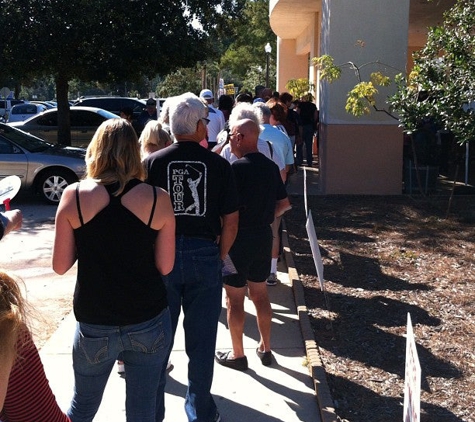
(282, 206)
(228, 232)
(5, 369)
(10, 220)
(165, 241)
(64, 247)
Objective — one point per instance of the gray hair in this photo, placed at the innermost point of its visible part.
(244, 111)
(165, 110)
(185, 112)
(264, 110)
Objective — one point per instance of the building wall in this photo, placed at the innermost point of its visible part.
(357, 155)
(360, 159)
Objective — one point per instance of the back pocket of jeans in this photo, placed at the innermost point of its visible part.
(207, 270)
(149, 340)
(95, 350)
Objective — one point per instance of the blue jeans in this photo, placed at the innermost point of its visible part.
(144, 349)
(195, 284)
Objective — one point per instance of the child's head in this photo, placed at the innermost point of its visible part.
(153, 138)
(12, 314)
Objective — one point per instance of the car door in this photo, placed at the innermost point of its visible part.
(44, 126)
(13, 161)
(83, 126)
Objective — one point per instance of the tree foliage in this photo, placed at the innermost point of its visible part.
(104, 40)
(442, 83)
(299, 87)
(248, 35)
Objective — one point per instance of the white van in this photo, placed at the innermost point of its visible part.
(21, 112)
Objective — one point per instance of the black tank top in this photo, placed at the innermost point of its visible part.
(117, 281)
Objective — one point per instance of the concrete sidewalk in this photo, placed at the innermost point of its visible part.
(285, 391)
(281, 392)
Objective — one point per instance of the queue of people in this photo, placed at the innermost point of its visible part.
(150, 227)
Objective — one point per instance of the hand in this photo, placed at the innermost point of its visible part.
(11, 220)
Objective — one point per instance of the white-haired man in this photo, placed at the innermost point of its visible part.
(203, 191)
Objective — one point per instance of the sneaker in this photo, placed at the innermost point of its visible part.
(121, 369)
(272, 279)
(240, 364)
(265, 357)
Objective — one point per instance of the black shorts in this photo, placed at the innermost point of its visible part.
(251, 254)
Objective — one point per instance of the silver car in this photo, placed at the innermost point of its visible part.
(45, 168)
(84, 123)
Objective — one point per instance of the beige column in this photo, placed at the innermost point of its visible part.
(290, 64)
(361, 155)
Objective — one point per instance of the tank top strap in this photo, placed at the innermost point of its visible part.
(153, 206)
(78, 204)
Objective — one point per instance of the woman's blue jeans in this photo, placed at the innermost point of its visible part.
(144, 349)
(196, 285)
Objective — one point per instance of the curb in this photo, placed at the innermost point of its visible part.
(314, 363)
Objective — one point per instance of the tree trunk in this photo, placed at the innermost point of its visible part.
(64, 121)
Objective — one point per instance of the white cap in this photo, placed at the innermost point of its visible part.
(206, 94)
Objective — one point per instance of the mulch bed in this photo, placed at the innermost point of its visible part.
(385, 257)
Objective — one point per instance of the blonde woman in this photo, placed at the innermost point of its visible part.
(153, 138)
(121, 231)
(25, 394)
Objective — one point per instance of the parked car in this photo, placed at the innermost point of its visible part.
(84, 122)
(47, 104)
(113, 104)
(6, 106)
(21, 112)
(45, 168)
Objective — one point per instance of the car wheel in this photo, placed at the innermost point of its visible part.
(52, 184)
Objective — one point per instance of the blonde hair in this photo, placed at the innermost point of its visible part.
(113, 155)
(12, 315)
(153, 134)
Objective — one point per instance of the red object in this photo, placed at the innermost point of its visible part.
(7, 204)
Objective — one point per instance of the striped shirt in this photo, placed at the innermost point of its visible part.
(29, 397)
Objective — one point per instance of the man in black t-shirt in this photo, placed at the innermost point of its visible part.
(262, 197)
(202, 188)
(309, 120)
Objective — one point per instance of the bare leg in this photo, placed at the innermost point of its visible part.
(260, 298)
(236, 317)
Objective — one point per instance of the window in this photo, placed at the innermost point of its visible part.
(5, 147)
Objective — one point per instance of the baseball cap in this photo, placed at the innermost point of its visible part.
(206, 94)
(151, 102)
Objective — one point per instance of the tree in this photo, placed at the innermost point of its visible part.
(442, 83)
(180, 81)
(249, 34)
(104, 40)
(299, 87)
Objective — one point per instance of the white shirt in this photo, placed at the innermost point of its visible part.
(216, 123)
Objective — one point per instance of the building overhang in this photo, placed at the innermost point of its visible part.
(289, 19)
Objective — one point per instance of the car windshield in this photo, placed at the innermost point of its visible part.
(107, 114)
(23, 139)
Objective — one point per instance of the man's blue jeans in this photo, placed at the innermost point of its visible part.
(196, 285)
(144, 349)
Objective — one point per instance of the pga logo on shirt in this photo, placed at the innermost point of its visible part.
(187, 186)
